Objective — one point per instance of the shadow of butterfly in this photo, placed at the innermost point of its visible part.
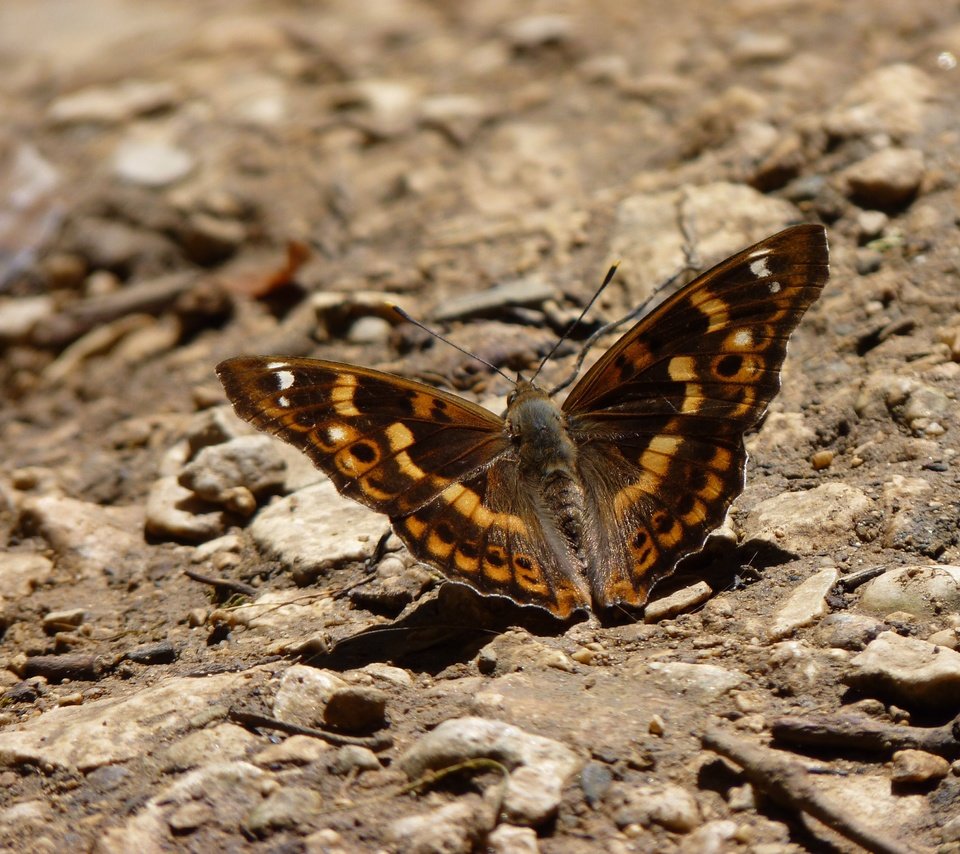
(585, 504)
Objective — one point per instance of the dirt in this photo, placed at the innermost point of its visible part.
(421, 153)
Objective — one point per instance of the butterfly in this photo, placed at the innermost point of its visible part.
(580, 505)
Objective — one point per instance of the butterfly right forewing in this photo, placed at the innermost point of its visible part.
(659, 420)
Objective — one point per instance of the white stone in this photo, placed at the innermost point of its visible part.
(924, 591)
(112, 104)
(455, 828)
(912, 671)
(87, 534)
(806, 604)
(23, 572)
(316, 528)
(808, 522)
(508, 839)
(676, 603)
(102, 732)
(303, 694)
(710, 680)
(295, 750)
(539, 767)
(151, 163)
(252, 462)
(170, 514)
(894, 100)
(20, 314)
(714, 837)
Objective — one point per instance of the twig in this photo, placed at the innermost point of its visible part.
(479, 763)
(252, 719)
(861, 576)
(862, 733)
(150, 297)
(786, 782)
(57, 668)
(223, 583)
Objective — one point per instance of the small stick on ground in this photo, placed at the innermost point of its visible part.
(57, 668)
(223, 584)
(856, 732)
(252, 719)
(787, 782)
(862, 576)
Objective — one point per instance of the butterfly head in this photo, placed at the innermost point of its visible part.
(524, 390)
(536, 425)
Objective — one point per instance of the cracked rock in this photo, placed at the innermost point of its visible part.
(251, 463)
(456, 828)
(809, 522)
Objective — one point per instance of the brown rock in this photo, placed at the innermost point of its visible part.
(887, 179)
(918, 766)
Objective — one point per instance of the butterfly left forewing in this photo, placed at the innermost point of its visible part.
(659, 419)
(387, 442)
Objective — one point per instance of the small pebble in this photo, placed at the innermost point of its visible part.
(151, 163)
(918, 766)
(887, 179)
(353, 757)
(821, 460)
(58, 621)
(536, 31)
(356, 709)
(369, 330)
(584, 655)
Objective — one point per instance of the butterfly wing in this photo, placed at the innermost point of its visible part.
(659, 419)
(489, 532)
(387, 442)
(440, 466)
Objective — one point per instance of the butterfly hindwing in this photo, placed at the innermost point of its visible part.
(660, 418)
(487, 531)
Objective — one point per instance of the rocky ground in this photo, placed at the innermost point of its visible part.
(205, 648)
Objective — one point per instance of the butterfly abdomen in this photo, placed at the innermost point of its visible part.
(547, 457)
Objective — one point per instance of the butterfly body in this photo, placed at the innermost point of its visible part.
(547, 459)
(584, 504)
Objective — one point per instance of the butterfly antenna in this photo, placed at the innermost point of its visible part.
(606, 281)
(438, 336)
(607, 328)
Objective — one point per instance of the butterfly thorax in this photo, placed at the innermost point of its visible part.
(547, 457)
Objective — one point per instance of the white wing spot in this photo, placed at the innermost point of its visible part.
(760, 267)
(283, 401)
(285, 379)
(272, 366)
(775, 287)
(742, 339)
(336, 434)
